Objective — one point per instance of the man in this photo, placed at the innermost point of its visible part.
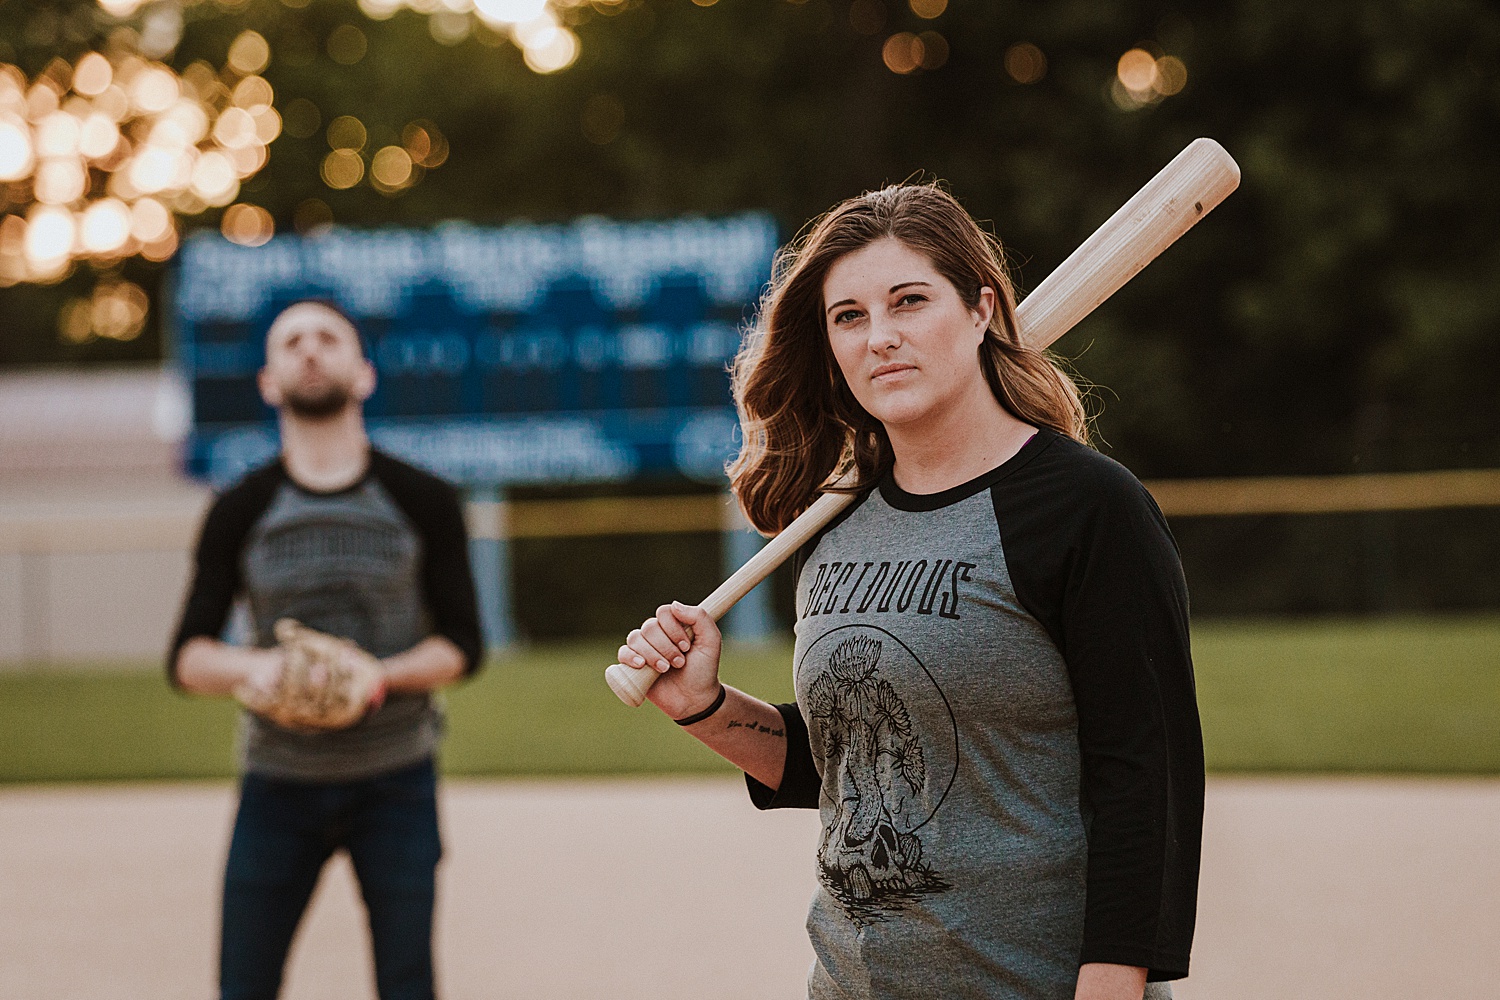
(351, 542)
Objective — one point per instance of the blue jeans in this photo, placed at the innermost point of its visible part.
(283, 834)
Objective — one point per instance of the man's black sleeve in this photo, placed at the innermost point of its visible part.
(799, 776)
(216, 560)
(436, 510)
(1092, 558)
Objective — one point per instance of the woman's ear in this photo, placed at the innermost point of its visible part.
(984, 310)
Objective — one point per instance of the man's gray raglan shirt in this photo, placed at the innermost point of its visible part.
(384, 563)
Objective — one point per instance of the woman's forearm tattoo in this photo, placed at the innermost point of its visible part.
(756, 727)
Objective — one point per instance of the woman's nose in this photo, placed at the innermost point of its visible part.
(884, 333)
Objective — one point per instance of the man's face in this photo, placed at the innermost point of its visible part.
(315, 367)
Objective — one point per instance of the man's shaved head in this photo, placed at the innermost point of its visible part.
(315, 361)
(313, 311)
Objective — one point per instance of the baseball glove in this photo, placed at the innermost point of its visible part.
(325, 682)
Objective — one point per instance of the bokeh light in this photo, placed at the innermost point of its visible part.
(49, 236)
(121, 8)
(150, 221)
(249, 53)
(60, 182)
(235, 128)
(162, 249)
(101, 157)
(508, 12)
(1137, 70)
(380, 10)
(546, 45)
(534, 26)
(118, 310)
(347, 45)
(106, 226)
(57, 135)
(215, 179)
(1143, 78)
(1025, 63)
(1171, 75)
(934, 50)
(252, 93)
(248, 225)
(449, 27)
(15, 148)
(342, 169)
(98, 137)
(929, 9)
(903, 52)
(74, 324)
(347, 132)
(391, 169)
(426, 144)
(93, 75)
(153, 89)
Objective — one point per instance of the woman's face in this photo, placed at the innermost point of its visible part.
(906, 342)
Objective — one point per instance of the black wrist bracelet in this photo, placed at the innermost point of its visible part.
(710, 710)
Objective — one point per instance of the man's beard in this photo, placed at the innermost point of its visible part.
(317, 404)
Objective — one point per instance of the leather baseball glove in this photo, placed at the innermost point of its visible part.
(325, 682)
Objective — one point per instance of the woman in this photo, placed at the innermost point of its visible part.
(995, 709)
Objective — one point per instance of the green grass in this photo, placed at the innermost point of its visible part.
(1404, 695)
(1412, 695)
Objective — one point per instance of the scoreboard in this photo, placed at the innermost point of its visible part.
(594, 351)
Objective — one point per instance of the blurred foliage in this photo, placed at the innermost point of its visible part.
(1408, 561)
(1339, 313)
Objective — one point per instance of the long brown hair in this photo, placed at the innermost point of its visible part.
(800, 420)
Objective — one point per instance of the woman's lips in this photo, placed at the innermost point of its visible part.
(886, 371)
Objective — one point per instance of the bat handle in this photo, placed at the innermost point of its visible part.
(630, 684)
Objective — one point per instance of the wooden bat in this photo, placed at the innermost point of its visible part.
(1184, 191)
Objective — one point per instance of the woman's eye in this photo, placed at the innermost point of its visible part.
(911, 298)
(846, 316)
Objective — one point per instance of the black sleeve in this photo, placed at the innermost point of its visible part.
(800, 783)
(437, 513)
(216, 560)
(1103, 575)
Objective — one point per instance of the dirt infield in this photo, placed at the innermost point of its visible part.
(1321, 889)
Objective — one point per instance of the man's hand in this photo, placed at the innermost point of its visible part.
(323, 682)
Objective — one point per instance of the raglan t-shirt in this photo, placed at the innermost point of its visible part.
(383, 562)
(996, 718)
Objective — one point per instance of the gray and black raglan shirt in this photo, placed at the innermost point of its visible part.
(995, 716)
(384, 563)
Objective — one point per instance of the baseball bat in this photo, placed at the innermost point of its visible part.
(1171, 203)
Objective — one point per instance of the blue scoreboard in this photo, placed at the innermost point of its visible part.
(525, 354)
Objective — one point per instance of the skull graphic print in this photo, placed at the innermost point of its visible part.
(885, 770)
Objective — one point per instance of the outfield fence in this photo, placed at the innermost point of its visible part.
(100, 577)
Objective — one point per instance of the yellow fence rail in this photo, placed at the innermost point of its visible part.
(147, 527)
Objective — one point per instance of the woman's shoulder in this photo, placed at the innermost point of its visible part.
(1066, 475)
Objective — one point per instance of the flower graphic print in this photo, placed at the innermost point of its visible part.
(883, 777)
